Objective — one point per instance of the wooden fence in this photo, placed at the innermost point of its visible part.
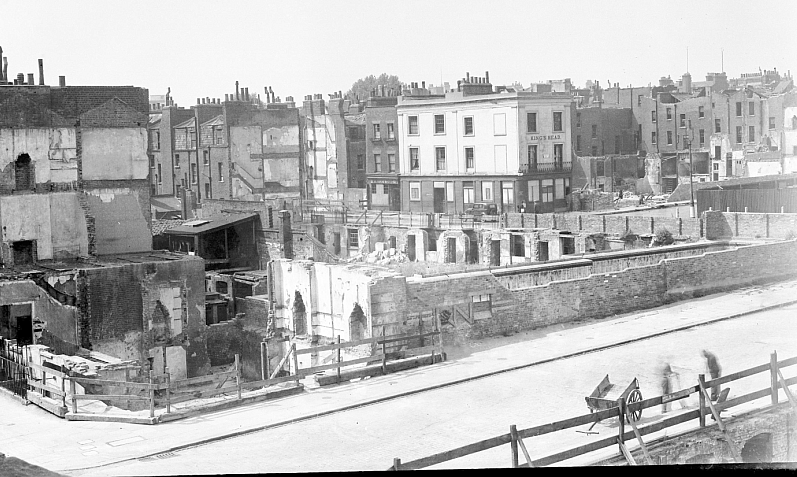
(771, 201)
(706, 407)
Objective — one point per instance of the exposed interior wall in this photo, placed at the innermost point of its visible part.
(122, 225)
(57, 322)
(114, 153)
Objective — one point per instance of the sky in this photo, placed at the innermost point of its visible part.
(199, 48)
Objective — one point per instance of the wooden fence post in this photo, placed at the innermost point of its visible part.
(420, 328)
(513, 445)
(268, 361)
(773, 376)
(263, 359)
(701, 400)
(238, 374)
(384, 352)
(151, 396)
(338, 360)
(127, 389)
(168, 391)
(396, 464)
(44, 382)
(295, 362)
(72, 391)
(621, 427)
(63, 392)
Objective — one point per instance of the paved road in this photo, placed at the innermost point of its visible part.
(368, 438)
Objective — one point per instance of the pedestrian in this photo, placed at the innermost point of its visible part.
(523, 207)
(666, 387)
(714, 370)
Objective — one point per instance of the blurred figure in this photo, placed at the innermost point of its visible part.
(714, 370)
(666, 385)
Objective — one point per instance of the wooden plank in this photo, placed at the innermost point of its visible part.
(789, 395)
(334, 346)
(99, 397)
(47, 370)
(567, 423)
(108, 382)
(641, 442)
(628, 457)
(46, 388)
(525, 452)
(790, 361)
(737, 375)
(714, 411)
(609, 441)
(282, 363)
(405, 337)
(419, 351)
(269, 382)
(456, 453)
(210, 378)
(324, 367)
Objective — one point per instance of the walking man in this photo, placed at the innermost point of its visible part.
(714, 370)
(666, 387)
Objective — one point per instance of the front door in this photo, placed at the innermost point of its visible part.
(394, 198)
(495, 253)
(542, 251)
(439, 199)
(451, 252)
(507, 197)
(411, 247)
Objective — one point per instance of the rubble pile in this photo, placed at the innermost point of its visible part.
(382, 255)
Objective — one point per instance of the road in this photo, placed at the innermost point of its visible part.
(368, 438)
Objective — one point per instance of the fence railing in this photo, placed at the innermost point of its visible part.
(706, 408)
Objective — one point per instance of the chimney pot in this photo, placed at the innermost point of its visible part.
(487, 76)
(423, 84)
(226, 97)
(459, 85)
(41, 72)
(30, 79)
(198, 101)
(237, 94)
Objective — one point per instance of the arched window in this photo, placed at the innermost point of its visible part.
(23, 173)
(299, 315)
(357, 323)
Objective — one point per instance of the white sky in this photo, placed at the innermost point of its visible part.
(200, 48)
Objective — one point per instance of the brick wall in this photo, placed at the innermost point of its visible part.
(717, 225)
(519, 305)
(613, 224)
(707, 445)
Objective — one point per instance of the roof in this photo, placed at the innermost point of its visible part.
(161, 225)
(186, 124)
(165, 203)
(155, 119)
(210, 224)
(355, 119)
(217, 121)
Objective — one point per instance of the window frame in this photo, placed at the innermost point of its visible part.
(531, 125)
(437, 158)
(465, 121)
(417, 159)
(561, 126)
(439, 127)
(470, 162)
(391, 162)
(412, 120)
(377, 161)
(415, 186)
(391, 131)
(376, 128)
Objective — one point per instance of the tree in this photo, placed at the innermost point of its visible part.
(362, 87)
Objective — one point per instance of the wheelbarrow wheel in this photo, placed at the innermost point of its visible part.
(634, 396)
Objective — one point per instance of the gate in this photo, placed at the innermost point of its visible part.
(13, 371)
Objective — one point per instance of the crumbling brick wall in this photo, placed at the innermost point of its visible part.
(718, 225)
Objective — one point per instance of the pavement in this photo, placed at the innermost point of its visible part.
(38, 437)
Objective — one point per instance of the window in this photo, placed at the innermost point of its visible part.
(594, 151)
(669, 113)
(449, 193)
(558, 154)
(771, 122)
(193, 173)
(391, 163)
(487, 191)
(686, 142)
(415, 191)
(377, 162)
(207, 190)
(751, 108)
(578, 120)
(700, 112)
(413, 125)
(205, 157)
(738, 134)
(468, 125)
(738, 108)
(311, 145)
(702, 136)
(218, 137)
(176, 160)
(716, 166)
(439, 124)
(221, 172)
(717, 126)
(594, 131)
(414, 162)
(480, 298)
(440, 158)
(499, 124)
(653, 116)
(534, 192)
(361, 161)
(160, 176)
(469, 158)
(467, 192)
(751, 133)
(547, 190)
(682, 120)
(377, 132)
(600, 168)
(639, 100)
(578, 143)
(531, 122)
(391, 131)
(151, 161)
(373, 189)
(669, 137)
(354, 238)
(617, 144)
(157, 141)
(193, 138)
(557, 121)
(532, 155)
(559, 189)
(653, 137)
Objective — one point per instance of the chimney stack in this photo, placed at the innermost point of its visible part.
(226, 97)
(271, 92)
(423, 84)
(486, 76)
(236, 91)
(198, 101)
(20, 78)
(31, 81)
(2, 75)
(5, 69)
(41, 72)
(459, 85)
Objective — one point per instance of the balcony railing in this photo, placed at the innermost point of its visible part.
(562, 166)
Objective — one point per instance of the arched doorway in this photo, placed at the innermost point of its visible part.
(23, 173)
(758, 448)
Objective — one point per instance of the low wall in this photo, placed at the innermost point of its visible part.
(719, 225)
(609, 224)
(514, 308)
